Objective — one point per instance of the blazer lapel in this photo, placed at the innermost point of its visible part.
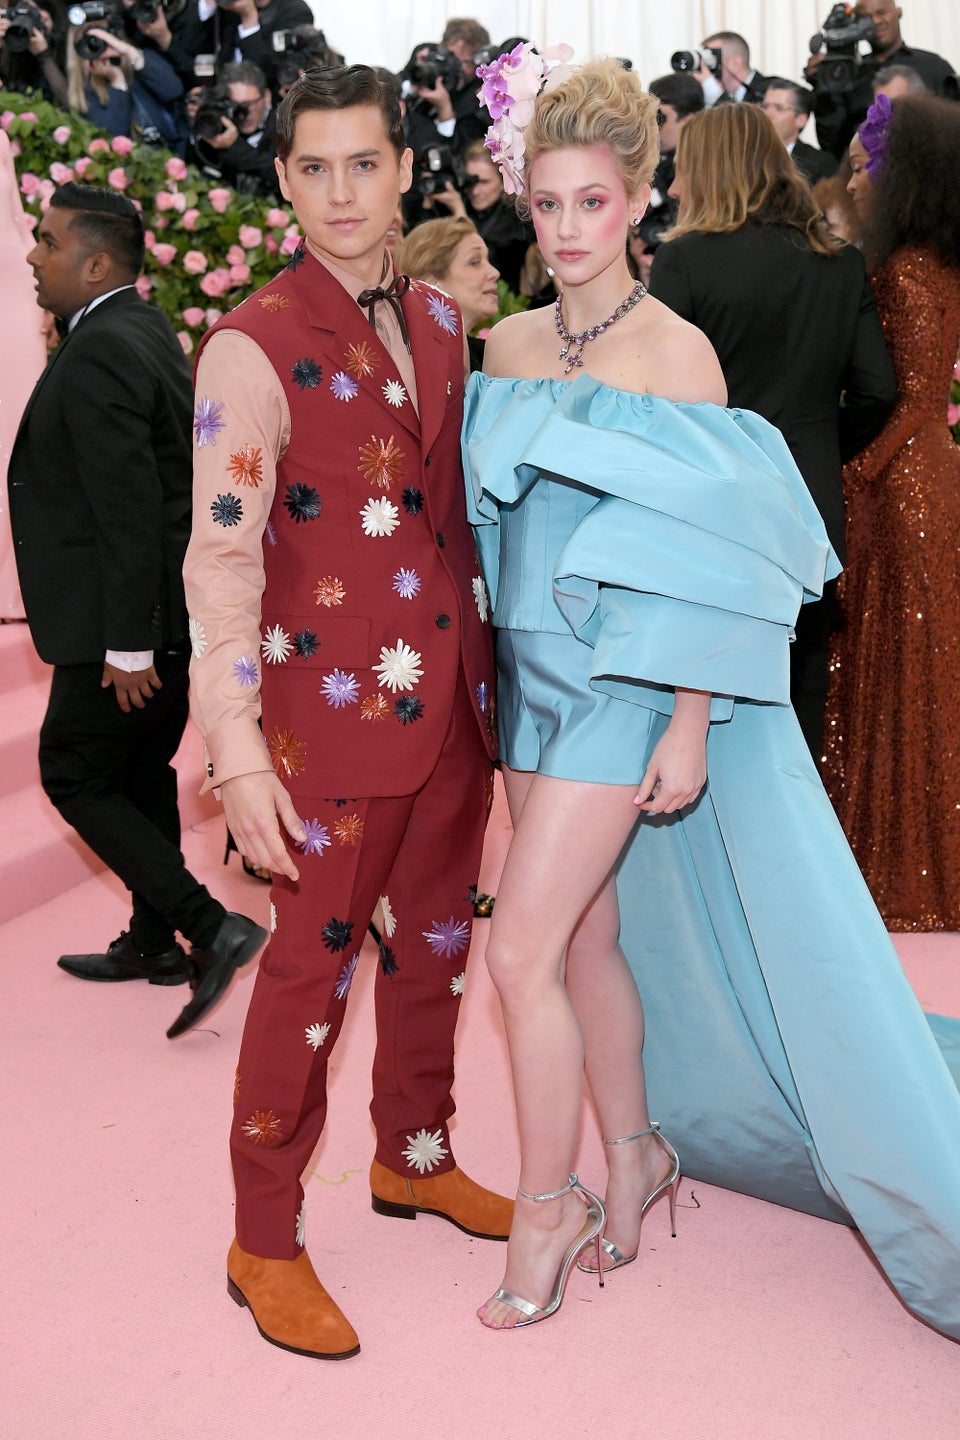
(430, 320)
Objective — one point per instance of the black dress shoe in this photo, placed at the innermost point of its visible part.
(236, 942)
(123, 961)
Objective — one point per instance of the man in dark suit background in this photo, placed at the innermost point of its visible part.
(100, 502)
(789, 106)
(737, 79)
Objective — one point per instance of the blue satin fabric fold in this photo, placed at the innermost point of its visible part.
(786, 1054)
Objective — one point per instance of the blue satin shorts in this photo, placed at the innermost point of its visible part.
(552, 721)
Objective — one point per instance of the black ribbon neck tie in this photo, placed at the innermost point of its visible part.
(392, 294)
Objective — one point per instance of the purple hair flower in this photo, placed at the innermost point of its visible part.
(873, 134)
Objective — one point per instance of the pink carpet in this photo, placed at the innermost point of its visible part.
(755, 1321)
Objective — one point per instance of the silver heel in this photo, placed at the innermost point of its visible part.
(668, 1186)
(590, 1233)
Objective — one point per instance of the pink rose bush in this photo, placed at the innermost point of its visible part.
(206, 246)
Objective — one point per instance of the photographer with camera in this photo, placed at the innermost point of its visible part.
(233, 129)
(31, 52)
(722, 66)
(842, 78)
(247, 28)
(118, 86)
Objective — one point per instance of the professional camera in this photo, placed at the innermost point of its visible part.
(840, 37)
(215, 108)
(286, 41)
(710, 58)
(146, 11)
(437, 168)
(92, 10)
(433, 65)
(24, 19)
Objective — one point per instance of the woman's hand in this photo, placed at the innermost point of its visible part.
(677, 770)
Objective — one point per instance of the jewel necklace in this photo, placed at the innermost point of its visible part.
(576, 360)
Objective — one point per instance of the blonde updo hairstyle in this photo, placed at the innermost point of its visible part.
(599, 104)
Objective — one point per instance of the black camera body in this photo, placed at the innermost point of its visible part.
(433, 65)
(24, 20)
(215, 108)
(101, 13)
(683, 62)
(437, 167)
(840, 37)
(146, 11)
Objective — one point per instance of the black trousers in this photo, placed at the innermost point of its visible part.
(809, 673)
(110, 776)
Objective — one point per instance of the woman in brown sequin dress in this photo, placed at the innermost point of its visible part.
(892, 764)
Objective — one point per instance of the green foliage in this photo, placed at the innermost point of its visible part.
(207, 246)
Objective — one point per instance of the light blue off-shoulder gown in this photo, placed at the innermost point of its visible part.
(786, 1055)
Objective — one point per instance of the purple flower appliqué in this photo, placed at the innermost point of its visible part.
(270, 533)
(207, 423)
(407, 584)
(340, 689)
(316, 837)
(483, 695)
(245, 670)
(345, 978)
(344, 386)
(442, 314)
(448, 937)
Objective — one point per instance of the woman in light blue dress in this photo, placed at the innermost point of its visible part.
(647, 551)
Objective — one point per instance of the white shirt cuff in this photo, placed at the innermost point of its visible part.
(446, 127)
(130, 660)
(243, 30)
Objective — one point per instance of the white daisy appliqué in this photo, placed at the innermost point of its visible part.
(424, 1151)
(273, 918)
(299, 1234)
(458, 983)
(389, 919)
(480, 596)
(198, 638)
(316, 1034)
(379, 517)
(394, 393)
(399, 667)
(276, 645)
(442, 314)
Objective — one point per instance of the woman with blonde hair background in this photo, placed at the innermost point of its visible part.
(123, 89)
(646, 551)
(452, 256)
(789, 310)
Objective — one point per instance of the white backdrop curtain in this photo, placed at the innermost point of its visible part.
(383, 32)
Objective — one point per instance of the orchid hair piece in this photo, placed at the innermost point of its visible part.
(511, 84)
(873, 134)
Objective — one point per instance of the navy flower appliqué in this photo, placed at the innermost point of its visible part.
(306, 373)
(336, 933)
(388, 960)
(227, 510)
(303, 502)
(297, 258)
(412, 500)
(408, 708)
(305, 643)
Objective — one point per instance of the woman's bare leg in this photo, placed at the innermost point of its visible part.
(567, 836)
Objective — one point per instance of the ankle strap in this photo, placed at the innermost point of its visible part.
(550, 1194)
(652, 1129)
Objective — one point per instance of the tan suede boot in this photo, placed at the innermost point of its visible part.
(289, 1305)
(453, 1196)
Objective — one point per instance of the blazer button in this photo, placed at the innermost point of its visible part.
(426, 462)
(443, 621)
(441, 540)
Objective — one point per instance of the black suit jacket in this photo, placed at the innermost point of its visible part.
(793, 330)
(100, 487)
(812, 163)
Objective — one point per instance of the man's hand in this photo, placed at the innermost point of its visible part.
(228, 136)
(253, 805)
(133, 687)
(439, 97)
(158, 29)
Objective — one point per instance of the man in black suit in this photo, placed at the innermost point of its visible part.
(242, 153)
(737, 79)
(100, 489)
(788, 106)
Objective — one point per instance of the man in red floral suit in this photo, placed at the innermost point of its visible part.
(333, 585)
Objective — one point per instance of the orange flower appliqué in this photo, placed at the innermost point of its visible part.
(273, 304)
(236, 1086)
(361, 360)
(287, 753)
(374, 708)
(381, 462)
(246, 465)
(262, 1128)
(329, 591)
(349, 830)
